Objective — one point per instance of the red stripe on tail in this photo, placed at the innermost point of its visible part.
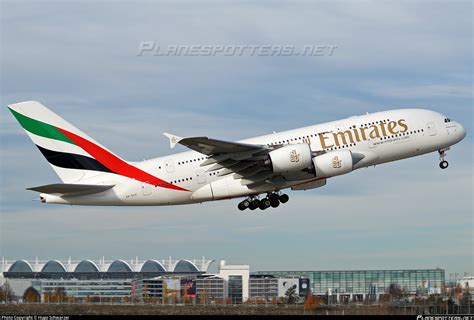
(116, 164)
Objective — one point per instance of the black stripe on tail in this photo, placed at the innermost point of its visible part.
(72, 161)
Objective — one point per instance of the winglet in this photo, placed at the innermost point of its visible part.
(173, 139)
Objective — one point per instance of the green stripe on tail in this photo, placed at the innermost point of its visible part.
(40, 128)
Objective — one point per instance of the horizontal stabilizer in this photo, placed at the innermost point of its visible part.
(71, 190)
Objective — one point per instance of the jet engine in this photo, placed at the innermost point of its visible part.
(291, 158)
(333, 163)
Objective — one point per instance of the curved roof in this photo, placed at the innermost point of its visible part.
(119, 266)
(86, 266)
(53, 266)
(20, 266)
(185, 266)
(152, 266)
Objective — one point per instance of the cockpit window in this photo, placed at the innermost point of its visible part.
(447, 120)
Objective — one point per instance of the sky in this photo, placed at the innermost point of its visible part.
(80, 59)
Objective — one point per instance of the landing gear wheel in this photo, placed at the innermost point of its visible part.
(275, 203)
(254, 204)
(264, 204)
(244, 205)
(273, 197)
(443, 164)
(284, 198)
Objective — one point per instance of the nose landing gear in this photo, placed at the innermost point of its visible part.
(443, 164)
(272, 199)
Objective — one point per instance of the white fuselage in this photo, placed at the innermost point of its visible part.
(380, 137)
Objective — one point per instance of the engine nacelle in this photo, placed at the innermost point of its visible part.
(291, 158)
(333, 163)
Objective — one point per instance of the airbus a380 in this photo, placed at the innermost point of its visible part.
(256, 169)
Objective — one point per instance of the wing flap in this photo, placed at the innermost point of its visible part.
(70, 189)
(311, 184)
(262, 176)
(224, 164)
(249, 172)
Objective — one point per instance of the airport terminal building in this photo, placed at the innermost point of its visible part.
(169, 281)
(87, 279)
(348, 283)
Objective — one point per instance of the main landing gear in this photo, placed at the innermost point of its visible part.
(443, 164)
(272, 199)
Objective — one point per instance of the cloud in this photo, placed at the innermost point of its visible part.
(424, 91)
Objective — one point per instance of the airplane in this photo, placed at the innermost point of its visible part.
(256, 169)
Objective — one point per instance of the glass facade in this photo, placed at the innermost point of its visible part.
(368, 281)
(86, 266)
(147, 288)
(119, 266)
(20, 266)
(185, 266)
(86, 288)
(152, 266)
(53, 266)
(263, 287)
(205, 288)
(88, 269)
(210, 288)
(266, 287)
(235, 289)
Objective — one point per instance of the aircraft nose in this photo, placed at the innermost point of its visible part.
(461, 131)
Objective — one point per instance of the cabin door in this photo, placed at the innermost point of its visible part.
(169, 164)
(146, 189)
(431, 128)
(201, 176)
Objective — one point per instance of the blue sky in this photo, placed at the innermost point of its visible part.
(79, 59)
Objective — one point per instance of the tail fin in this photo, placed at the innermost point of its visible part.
(72, 154)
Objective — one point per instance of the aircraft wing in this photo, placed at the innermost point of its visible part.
(209, 146)
(69, 190)
(244, 161)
